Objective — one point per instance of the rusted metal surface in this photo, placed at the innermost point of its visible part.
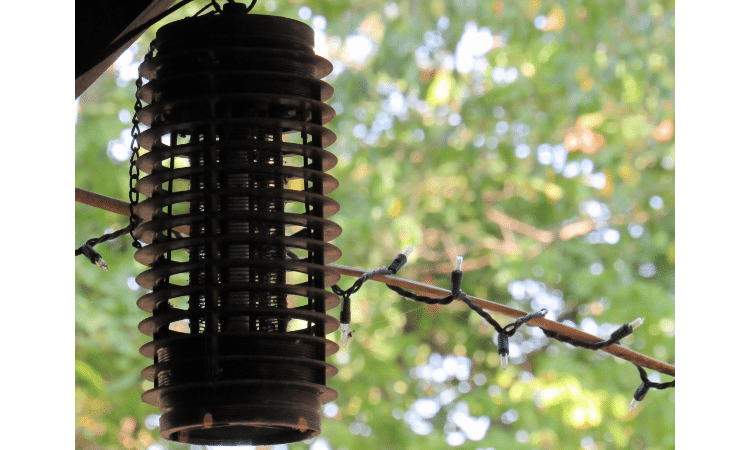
(235, 152)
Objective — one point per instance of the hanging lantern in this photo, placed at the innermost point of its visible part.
(235, 153)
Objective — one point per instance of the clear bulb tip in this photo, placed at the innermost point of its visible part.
(407, 251)
(100, 262)
(504, 361)
(459, 263)
(633, 404)
(637, 323)
(346, 333)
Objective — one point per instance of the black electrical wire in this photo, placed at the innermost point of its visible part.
(504, 332)
(214, 4)
(456, 293)
(614, 338)
(345, 316)
(92, 255)
(647, 384)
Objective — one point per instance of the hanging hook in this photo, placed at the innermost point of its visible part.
(231, 7)
(238, 8)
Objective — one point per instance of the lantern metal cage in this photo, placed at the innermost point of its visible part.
(235, 152)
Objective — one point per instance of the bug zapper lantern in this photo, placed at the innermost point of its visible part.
(235, 153)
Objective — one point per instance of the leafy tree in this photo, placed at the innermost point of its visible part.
(534, 138)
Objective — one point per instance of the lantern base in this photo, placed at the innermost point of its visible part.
(241, 414)
(241, 435)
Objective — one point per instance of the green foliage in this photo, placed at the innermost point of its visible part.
(567, 117)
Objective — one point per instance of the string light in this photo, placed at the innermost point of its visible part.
(92, 255)
(345, 317)
(504, 332)
(637, 323)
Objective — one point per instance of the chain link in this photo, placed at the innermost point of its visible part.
(135, 146)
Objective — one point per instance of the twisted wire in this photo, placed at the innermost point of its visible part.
(647, 384)
(92, 255)
(345, 316)
(618, 334)
(504, 332)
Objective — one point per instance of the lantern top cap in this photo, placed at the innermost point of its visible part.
(253, 30)
(235, 8)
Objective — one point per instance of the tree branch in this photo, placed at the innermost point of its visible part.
(569, 231)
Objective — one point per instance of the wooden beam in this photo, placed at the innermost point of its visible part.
(98, 25)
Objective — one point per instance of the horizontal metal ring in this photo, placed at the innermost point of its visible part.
(320, 66)
(148, 231)
(150, 301)
(150, 372)
(151, 206)
(149, 325)
(147, 184)
(152, 396)
(150, 137)
(230, 82)
(149, 349)
(148, 254)
(160, 152)
(149, 278)
(187, 105)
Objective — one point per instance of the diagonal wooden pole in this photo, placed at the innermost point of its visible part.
(557, 327)
(120, 207)
(102, 202)
(112, 205)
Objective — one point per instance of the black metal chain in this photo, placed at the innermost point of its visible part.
(135, 146)
(87, 249)
(134, 173)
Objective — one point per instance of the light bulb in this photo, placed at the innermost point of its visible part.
(346, 333)
(636, 323)
(103, 265)
(459, 263)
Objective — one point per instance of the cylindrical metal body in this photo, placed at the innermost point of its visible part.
(235, 151)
